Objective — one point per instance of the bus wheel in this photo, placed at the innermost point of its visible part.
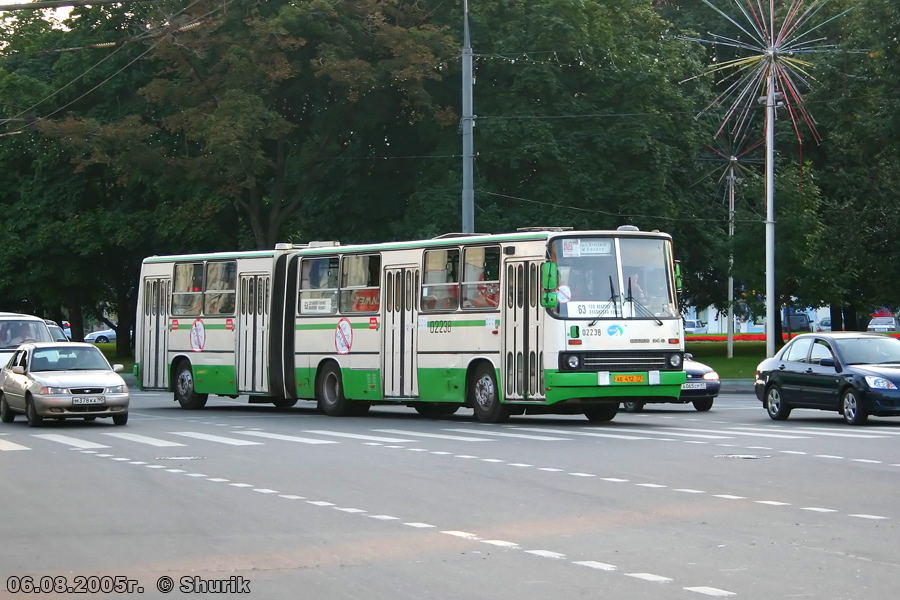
(485, 399)
(184, 388)
(633, 406)
(601, 412)
(436, 410)
(330, 392)
(284, 402)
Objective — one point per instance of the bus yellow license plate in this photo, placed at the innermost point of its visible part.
(628, 379)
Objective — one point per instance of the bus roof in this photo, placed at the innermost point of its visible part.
(442, 241)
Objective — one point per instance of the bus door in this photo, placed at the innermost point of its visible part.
(523, 373)
(253, 320)
(154, 334)
(398, 354)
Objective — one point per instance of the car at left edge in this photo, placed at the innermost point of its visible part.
(700, 389)
(852, 373)
(62, 380)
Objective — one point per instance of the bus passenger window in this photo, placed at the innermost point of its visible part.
(221, 281)
(187, 292)
(481, 278)
(318, 285)
(440, 284)
(360, 283)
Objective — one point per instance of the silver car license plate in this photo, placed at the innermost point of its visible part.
(89, 400)
(700, 385)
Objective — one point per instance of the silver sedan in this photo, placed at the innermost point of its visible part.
(62, 381)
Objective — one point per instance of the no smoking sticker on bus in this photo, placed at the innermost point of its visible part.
(343, 336)
(198, 335)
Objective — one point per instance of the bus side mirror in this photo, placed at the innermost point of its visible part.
(549, 300)
(549, 276)
(678, 283)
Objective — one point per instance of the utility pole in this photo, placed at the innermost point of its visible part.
(65, 3)
(468, 125)
(770, 214)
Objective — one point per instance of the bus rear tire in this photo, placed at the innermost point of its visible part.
(284, 402)
(601, 412)
(330, 392)
(484, 396)
(187, 397)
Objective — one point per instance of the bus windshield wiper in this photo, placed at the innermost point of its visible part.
(643, 309)
(613, 299)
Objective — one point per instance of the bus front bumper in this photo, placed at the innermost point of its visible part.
(560, 386)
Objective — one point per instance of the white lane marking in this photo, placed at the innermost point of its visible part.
(69, 441)
(616, 436)
(829, 456)
(126, 459)
(464, 456)
(384, 517)
(171, 470)
(7, 446)
(520, 465)
(241, 485)
(85, 451)
(673, 431)
(596, 565)
(290, 497)
(355, 436)
(439, 436)
(876, 517)
(442, 453)
(265, 491)
(817, 509)
(819, 432)
(542, 438)
(728, 497)
(614, 479)
(582, 474)
(758, 448)
(695, 442)
(710, 591)
(215, 438)
(501, 543)
(217, 479)
(689, 491)
(650, 485)
(195, 475)
(350, 510)
(418, 449)
(155, 466)
(143, 439)
(549, 469)
(286, 438)
(866, 460)
(103, 455)
(733, 432)
(791, 452)
(137, 462)
(493, 460)
(395, 446)
(319, 503)
(373, 444)
(462, 534)
(649, 577)
(546, 554)
(419, 525)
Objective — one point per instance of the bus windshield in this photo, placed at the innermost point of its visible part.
(614, 278)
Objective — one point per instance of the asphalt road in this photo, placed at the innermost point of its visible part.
(669, 503)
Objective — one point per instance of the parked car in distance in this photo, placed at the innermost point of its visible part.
(62, 380)
(101, 337)
(797, 322)
(694, 326)
(16, 328)
(852, 373)
(56, 332)
(884, 324)
(700, 389)
(824, 324)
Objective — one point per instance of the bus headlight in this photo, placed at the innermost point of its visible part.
(675, 361)
(573, 361)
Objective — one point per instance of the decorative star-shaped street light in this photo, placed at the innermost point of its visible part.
(775, 72)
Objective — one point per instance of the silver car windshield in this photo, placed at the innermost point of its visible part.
(615, 278)
(14, 333)
(870, 350)
(68, 359)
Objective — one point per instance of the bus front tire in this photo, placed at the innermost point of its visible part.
(601, 412)
(184, 388)
(330, 392)
(484, 396)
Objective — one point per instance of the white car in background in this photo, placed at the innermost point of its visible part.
(694, 326)
(101, 337)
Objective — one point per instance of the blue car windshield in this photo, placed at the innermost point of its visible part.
(869, 350)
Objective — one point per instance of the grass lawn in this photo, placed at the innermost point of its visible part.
(715, 354)
(109, 350)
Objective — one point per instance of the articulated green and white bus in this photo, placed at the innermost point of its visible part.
(537, 321)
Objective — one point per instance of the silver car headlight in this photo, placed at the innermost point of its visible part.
(675, 361)
(117, 389)
(879, 383)
(49, 391)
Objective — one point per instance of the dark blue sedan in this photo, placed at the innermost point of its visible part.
(852, 373)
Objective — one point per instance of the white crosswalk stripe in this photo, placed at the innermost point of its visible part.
(142, 439)
(6, 446)
(214, 438)
(356, 436)
(581, 432)
(813, 431)
(286, 438)
(69, 441)
(434, 435)
(543, 438)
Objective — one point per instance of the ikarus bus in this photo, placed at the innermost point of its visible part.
(536, 321)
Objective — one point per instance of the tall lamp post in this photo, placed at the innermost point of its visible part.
(468, 126)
